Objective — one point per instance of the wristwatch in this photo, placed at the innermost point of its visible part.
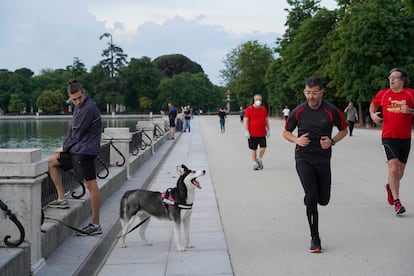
(332, 142)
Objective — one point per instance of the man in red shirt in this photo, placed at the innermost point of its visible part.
(397, 103)
(257, 128)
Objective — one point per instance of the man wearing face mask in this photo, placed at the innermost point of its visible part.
(257, 128)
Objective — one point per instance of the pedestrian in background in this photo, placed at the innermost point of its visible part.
(241, 113)
(314, 120)
(79, 150)
(286, 112)
(257, 128)
(397, 104)
(222, 116)
(187, 118)
(172, 115)
(351, 116)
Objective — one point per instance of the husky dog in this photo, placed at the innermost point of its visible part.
(175, 204)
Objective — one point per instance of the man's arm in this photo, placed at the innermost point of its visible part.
(374, 114)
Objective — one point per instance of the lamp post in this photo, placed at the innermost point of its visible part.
(111, 70)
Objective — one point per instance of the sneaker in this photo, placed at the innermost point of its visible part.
(91, 230)
(59, 203)
(259, 162)
(315, 246)
(399, 209)
(389, 194)
(256, 166)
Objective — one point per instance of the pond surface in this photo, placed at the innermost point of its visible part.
(47, 134)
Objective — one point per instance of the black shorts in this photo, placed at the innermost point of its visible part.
(82, 164)
(397, 149)
(254, 142)
(172, 122)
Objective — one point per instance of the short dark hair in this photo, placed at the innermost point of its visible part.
(74, 86)
(314, 81)
(404, 75)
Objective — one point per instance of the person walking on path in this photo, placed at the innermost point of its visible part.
(79, 150)
(222, 116)
(187, 118)
(286, 112)
(315, 119)
(257, 128)
(397, 105)
(172, 115)
(351, 116)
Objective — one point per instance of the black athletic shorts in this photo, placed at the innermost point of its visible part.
(82, 164)
(397, 148)
(172, 122)
(254, 142)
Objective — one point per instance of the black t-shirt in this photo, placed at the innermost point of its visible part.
(317, 122)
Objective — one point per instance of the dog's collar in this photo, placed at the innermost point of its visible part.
(169, 201)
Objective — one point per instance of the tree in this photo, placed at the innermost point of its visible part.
(50, 101)
(195, 90)
(16, 103)
(140, 79)
(253, 61)
(114, 60)
(302, 57)
(78, 69)
(372, 37)
(171, 65)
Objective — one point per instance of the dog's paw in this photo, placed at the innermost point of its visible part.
(181, 249)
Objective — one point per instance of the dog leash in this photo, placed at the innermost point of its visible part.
(88, 234)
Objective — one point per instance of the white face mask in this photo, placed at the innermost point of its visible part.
(258, 103)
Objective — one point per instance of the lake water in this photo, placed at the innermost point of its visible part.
(47, 134)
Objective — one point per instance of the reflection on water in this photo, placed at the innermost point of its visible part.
(45, 134)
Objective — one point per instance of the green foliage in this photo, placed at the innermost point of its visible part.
(145, 103)
(140, 79)
(175, 64)
(16, 103)
(50, 101)
(253, 62)
(373, 37)
(188, 89)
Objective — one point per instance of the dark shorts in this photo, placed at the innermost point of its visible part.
(397, 149)
(172, 122)
(254, 142)
(83, 165)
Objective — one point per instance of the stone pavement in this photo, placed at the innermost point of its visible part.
(263, 217)
(249, 222)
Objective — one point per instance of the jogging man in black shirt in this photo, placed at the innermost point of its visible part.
(315, 119)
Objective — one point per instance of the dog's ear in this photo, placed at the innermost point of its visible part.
(181, 169)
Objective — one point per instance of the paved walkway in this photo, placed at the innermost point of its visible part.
(249, 222)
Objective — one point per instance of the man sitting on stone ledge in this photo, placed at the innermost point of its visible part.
(79, 150)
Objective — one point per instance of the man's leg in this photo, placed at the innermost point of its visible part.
(95, 194)
(54, 172)
(395, 174)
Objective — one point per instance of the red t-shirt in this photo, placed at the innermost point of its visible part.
(257, 120)
(396, 124)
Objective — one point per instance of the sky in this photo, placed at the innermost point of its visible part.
(49, 34)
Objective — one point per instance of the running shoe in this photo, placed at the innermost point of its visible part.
(256, 166)
(315, 246)
(390, 198)
(399, 209)
(260, 163)
(59, 204)
(90, 230)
